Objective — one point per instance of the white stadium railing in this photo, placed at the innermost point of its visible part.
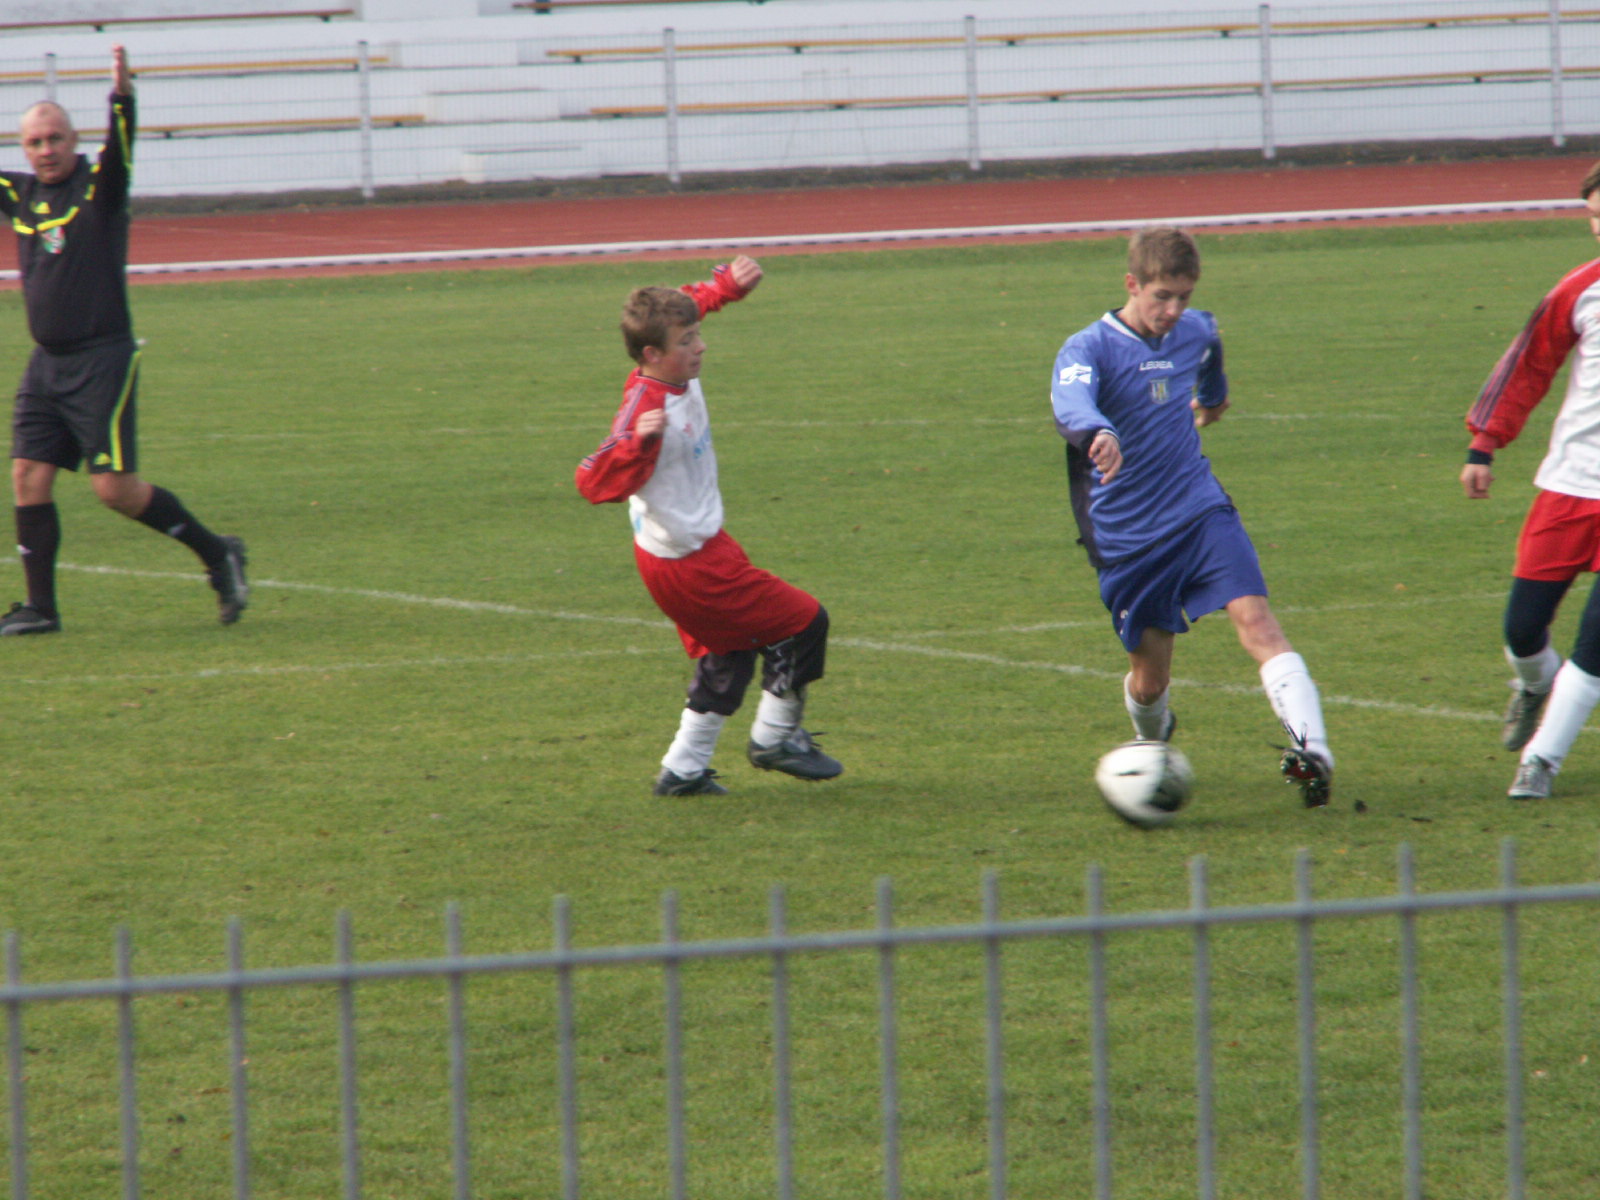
(353, 105)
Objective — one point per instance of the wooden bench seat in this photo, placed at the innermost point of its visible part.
(101, 24)
(280, 66)
(191, 129)
(1055, 95)
(1222, 29)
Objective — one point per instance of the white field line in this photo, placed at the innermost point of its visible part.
(337, 668)
(855, 643)
(1039, 420)
(1314, 609)
(942, 234)
(1230, 689)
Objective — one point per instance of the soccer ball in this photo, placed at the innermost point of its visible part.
(1145, 782)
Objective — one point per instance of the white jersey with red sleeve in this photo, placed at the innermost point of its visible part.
(669, 482)
(1567, 318)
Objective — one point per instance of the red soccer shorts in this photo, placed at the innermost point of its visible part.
(1560, 538)
(721, 602)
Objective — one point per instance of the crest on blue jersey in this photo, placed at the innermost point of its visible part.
(1158, 391)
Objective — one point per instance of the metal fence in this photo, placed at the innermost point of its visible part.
(325, 106)
(872, 1013)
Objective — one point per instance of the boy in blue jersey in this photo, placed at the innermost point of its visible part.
(1130, 394)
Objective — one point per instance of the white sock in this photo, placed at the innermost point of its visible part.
(777, 717)
(691, 750)
(1295, 700)
(1149, 720)
(1572, 699)
(1536, 673)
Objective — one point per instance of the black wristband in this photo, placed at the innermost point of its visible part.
(1479, 458)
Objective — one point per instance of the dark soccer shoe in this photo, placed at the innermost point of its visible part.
(21, 619)
(797, 755)
(228, 581)
(1310, 774)
(703, 784)
(1522, 716)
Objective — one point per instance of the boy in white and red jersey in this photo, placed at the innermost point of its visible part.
(1561, 535)
(659, 458)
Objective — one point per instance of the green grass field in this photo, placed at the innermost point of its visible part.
(450, 686)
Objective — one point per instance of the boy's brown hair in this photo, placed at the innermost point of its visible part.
(1591, 182)
(1163, 252)
(650, 316)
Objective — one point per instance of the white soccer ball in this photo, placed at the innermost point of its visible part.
(1145, 782)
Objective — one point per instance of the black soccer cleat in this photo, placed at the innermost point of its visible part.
(1522, 716)
(24, 618)
(228, 581)
(1312, 775)
(797, 755)
(669, 783)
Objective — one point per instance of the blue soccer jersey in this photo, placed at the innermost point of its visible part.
(1108, 377)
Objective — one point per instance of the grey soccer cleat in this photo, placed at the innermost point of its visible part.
(1312, 775)
(1522, 716)
(228, 581)
(797, 755)
(669, 783)
(1534, 777)
(23, 618)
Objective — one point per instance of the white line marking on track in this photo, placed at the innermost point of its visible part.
(944, 234)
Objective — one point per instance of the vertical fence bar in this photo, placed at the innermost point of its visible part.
(1099, 1038)
(461, 1147)
(974, 155)
(349, 1124)
(889, 1038)
(669, 85)
(1205, 1116)
(52, 75)
(672, 980)
(16, 1077)
(1515, 1179)
(125, 1063)
(782, 1089)
(994, 1043)
(1558, 120)
(238, 1064)
(364, 106)
(1410, 1032)
(567, 1052)
(1310, 1145)
(1269, 138)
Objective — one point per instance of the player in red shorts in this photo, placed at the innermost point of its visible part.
(659, 458)
(1550, 700)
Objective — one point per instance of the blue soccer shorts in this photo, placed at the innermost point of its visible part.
(1198, 570)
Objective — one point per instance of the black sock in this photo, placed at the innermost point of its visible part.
(38, 540)
(166, 514)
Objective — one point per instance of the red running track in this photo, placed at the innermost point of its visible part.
(376, 229)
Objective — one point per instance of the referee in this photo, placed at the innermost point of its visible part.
(76, 401)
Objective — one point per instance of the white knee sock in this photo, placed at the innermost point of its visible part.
(1537, 672)
(1295, 700)
(691, 750)
(777, 717)
(1572, 699)
(1149, 720)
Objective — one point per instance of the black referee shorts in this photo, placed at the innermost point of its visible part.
(79, 407)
